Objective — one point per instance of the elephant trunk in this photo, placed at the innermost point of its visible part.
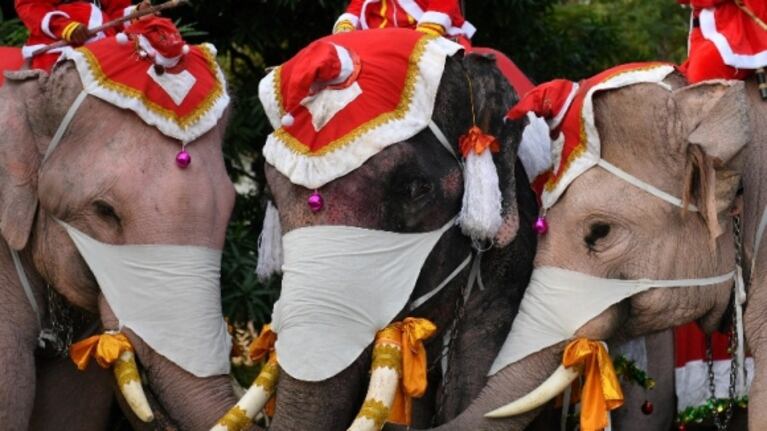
(327, 405)
(511, 383)
(193, 403)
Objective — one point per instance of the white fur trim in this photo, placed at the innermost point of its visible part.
(129, 10)
(347, 65)
(480, 216)
(556, 121)
(270, 101)
(270, 245)
(28, 50)
(45, 25)
(168, 127)
(535, 149)
(691, 382)
(363, 9)
(467, 29)
(160, 59)
(314, 171)
(742, 61)
(176, 85)
(327, 103)
(592, 154)
(347, 17)
(433, 17)
(412, 9)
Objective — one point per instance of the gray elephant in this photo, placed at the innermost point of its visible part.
(110, 182)
(412, 188)
(640, 235)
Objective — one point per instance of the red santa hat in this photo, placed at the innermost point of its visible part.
(345, 97)
(564, 110)
(158, 39)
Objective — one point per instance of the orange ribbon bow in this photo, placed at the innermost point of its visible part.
(601, 387)
(106, 348)
(258, 349)
(263, 345)
(410, 334)
(475, 139)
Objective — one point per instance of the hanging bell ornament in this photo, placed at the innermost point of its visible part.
(541, 226)
(315, 202)
(647, 407)
(183, 159)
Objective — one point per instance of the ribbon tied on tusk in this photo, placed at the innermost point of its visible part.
(412, 332)
(106, 348)
(478, 141)
(263, 345)
(601, 388)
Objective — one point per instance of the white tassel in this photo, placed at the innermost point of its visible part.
(270, 245)
(535, 148)
(480, 216)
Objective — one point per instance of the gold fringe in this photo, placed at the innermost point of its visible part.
(387, 356)
(268, 376)
(126, 371)
(376, 411)
(235, 419)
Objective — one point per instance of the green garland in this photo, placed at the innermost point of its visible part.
(628, 370)
(708, 410)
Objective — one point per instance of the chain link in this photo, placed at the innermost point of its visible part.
(720, 424)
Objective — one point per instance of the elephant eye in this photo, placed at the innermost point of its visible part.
(419, 188)
(106, 211)
(597, 232)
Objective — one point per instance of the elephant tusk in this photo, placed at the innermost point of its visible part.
(553, 386)
(241, 415)
(386, 370)
(129, 382)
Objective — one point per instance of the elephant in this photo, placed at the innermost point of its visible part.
(411, 186)
(112, 177)
(664, 136)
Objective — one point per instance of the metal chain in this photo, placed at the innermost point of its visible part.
(460, 310)
(60, 332)
(720, 424)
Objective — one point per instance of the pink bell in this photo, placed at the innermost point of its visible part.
(541, 226)
(315, 202)
(183, 159)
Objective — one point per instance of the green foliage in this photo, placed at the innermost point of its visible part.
(12, 32)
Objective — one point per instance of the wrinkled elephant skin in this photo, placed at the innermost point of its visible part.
(114, 178)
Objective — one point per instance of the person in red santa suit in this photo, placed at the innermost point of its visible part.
(728, 39)
(49, 21)
(438, 17)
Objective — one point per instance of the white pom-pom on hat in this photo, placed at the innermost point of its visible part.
(287, 120)
(121, 38)
(185, 49)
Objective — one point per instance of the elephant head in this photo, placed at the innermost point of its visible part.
(113, 179)
(651, 202)
(411, 187)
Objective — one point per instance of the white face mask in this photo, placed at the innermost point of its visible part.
(169, 295)
(547, 314)
(340, 286)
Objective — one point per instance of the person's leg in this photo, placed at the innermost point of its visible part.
(705, 63)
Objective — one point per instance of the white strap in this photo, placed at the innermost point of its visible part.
(25, 284)
(427, 296)
(443, 140)
(625, 176)
(65, 124)
(758, 239)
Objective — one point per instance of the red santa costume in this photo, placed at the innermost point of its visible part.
(51, 20)
(442, 17)
(728, 39)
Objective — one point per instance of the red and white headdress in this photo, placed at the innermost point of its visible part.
(568, 109)
(345, 97)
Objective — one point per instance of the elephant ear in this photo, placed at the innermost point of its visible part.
(714, 118)
(21, 98)
(492, 95)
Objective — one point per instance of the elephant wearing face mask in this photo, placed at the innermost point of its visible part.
(640, 237)
(407, 193)
(110, 185)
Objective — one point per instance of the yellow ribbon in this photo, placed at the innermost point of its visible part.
(410, 334)
(257, 350)
(601, 388)
(262, 345)
(478, 141)
(106, 348)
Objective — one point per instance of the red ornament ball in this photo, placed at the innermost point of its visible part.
(647, 407)
(682, 427)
